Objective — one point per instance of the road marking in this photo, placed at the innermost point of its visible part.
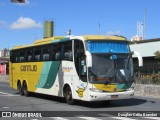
(7, 94)
(89, 118)
(123, 118)
(4, 85)
(105, 115)
(6, 107)
(59, 118)
(152, 118)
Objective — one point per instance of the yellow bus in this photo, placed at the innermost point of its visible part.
(87, 68)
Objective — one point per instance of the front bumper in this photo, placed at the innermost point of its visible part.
(96, 96)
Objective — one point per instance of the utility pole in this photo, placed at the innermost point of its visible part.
(144, 29)
(99, 28)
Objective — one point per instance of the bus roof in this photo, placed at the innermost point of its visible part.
(40, 42)
(103, 37)
(62, 38)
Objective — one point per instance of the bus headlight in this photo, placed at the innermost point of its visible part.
(131, 88)
(95, 90)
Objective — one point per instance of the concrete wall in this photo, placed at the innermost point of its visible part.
(147, 90)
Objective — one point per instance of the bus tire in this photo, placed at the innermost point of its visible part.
(25, 89)
(19, 87)
(68, 96)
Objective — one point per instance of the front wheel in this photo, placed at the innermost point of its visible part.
(69, 98)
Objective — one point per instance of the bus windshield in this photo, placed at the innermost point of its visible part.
(111, 62)
(107, 68)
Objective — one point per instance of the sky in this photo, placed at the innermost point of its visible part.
(23, 23)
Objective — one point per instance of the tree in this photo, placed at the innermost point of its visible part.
(157, 54)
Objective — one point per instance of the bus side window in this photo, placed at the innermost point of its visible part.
(22, 59)
(13, 55)
(57, 56)
(57, 52)
(17, 57)
(67, 51)
(45, 57)
(52, 53)
(29, 55)
(37, 54)
(46, 54)
(22, 56)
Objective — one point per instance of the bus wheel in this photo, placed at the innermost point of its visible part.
(19, 87)
(25, 89)
(69, 98)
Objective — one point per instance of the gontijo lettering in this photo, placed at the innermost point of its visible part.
(28, 68)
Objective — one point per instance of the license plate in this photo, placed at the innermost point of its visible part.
(114, 96)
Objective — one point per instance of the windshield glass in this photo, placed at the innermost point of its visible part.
(111, 68)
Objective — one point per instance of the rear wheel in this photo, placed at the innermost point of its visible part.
(25, 89)
(68, 96)
(19, 87)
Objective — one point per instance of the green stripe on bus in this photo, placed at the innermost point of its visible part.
(123, 86)
(48, 74)
(52, 74)
(44, 74)
(120, 86)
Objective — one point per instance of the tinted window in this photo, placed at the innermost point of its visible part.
(37, 54)
(46, 53)
(56, 52)
(22, 56)
(29, 56)
(67, 51)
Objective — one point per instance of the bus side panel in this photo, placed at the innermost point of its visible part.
(29, 72)
(48, 78)
(68, 75)
(10, 74)
(14, 75)
(65, 74)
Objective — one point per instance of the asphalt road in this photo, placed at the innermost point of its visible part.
(57, 109)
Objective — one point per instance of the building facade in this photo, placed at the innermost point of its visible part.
(4, 61)
(147, 49)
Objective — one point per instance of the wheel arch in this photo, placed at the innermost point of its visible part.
(64, 88)
(24, 81)
(19, 82)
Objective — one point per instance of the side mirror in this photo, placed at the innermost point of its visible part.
(140, 59)
(88, 59)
